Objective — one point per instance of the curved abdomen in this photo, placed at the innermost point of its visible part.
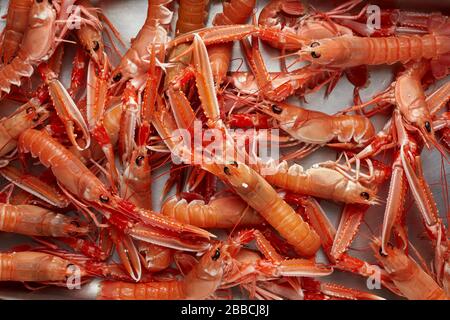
(66, 167)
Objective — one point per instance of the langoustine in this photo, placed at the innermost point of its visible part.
(138, 125)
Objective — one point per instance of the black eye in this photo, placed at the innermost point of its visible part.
(37, 117)
(39, 1)
(428, 126)
(117, 77)
(226, 170)
(277, 109)
(216, 255)
(96, 46)
(315, 55)
(365, 195)
(382, 253)
(104, 198)
(234, 164)
(139, 160)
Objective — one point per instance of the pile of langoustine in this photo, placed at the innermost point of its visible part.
(88, 197)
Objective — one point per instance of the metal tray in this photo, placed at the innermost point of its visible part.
(128, 16)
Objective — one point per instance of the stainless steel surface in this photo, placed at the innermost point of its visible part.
(128, 17)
